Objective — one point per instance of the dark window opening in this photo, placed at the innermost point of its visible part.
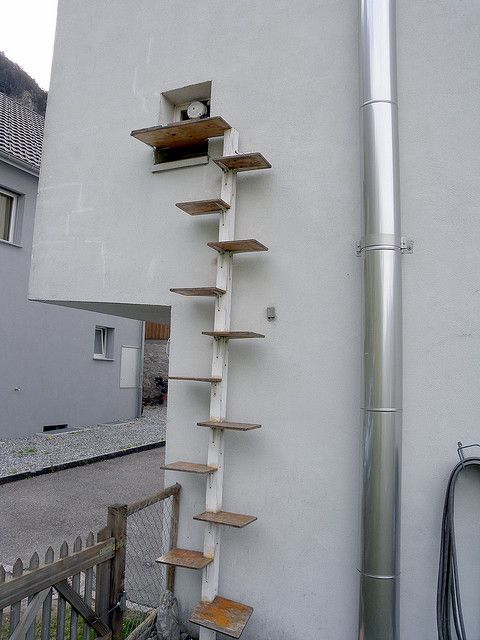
(54, 427)
(181, 153)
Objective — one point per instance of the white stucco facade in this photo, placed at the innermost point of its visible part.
(108, 237)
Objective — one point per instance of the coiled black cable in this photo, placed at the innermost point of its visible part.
(449, 604)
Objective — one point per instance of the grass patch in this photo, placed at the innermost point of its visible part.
(131, 620)
(21, 453)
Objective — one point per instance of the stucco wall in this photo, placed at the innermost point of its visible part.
(47, 351)
(286, 76)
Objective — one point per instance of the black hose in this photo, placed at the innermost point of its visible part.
(449, 604)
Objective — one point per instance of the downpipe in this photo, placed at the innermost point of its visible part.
(381, 250)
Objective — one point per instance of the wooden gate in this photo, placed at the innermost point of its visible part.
(81, 594)
(33, 602)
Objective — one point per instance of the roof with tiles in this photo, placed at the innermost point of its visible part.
(21, 132)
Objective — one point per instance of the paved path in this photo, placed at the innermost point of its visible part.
(46, 510)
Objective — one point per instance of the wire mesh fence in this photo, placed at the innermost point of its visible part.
(108, 586)
(150, 532)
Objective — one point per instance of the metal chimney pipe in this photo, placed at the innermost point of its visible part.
(382, 296)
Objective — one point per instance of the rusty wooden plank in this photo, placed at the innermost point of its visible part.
(238, 246)
(222, 615)
(202, 292)
(188, 467)
(185, 558)
(233, 335)
(31, 583)
(202, 207)
(237, 520)
(182, 134)
(225, 424)
(243, 162)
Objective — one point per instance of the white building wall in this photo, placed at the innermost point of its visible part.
(286, 76)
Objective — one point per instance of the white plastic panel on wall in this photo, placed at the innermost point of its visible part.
(129, 367)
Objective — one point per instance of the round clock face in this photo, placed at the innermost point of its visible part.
(196, 109)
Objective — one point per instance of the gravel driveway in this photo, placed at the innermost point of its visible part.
(41, 450)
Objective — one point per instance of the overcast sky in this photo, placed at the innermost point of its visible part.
(27, 31)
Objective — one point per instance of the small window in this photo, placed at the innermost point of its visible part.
(103, 344)
(175, 108)
(8, 208)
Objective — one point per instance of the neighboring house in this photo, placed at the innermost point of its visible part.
(109, 237)
(58, 367)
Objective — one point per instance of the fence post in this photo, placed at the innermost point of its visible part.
(117, 522)
(173, 535)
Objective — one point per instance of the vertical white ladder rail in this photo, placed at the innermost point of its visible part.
(218, 398)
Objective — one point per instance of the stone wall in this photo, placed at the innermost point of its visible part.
(155, 363)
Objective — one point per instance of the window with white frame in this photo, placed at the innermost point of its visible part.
(8, 209)
(177, 105)
(103, 343)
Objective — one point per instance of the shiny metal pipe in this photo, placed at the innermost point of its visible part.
(381, 252)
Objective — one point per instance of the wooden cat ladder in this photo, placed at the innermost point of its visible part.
(214, 613)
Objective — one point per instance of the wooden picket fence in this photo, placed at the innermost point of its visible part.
(36, 596)
(81, 594)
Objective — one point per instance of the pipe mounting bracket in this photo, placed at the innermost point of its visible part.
(385, 242)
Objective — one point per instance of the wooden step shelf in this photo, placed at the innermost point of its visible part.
(224, 424)
(182, 134)
(233, 335)
(243, 162)
(203, 207)
(222, 615)
(202, 292)
(237, 520)
(212, 379)
(188, 467)
(238, 246)
(185, 558)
